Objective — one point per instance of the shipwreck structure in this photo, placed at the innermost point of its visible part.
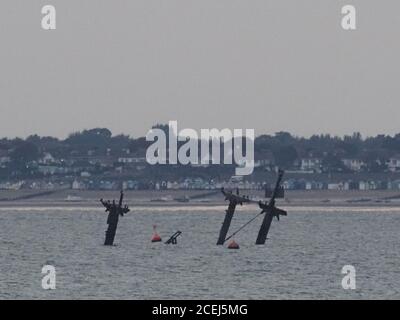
(114, 212)
(268, 209)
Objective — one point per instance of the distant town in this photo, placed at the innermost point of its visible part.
(98, 160)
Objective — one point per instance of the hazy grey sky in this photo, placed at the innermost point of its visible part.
(268, 65)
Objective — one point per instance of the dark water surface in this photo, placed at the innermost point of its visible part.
(302, 259)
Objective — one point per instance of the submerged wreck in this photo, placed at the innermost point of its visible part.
(114, 211)
(268, 209)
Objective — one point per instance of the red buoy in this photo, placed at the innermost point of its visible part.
(156, 237)
(233, 245)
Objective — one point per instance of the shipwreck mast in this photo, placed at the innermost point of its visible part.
(114, 211)
(268, 208)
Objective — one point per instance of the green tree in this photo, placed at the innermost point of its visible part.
(285, 156)
(25, 152)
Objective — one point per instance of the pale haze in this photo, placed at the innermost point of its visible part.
(267, 65)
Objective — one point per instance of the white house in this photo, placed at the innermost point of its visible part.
(85, 174)
(311, 164)
(4, 157)
(394, 164)
(335, 186)
(367, 185)
(47, 159)
(353, 164)
(77, 185)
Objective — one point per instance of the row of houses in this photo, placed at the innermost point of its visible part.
(301, 184)
(47, 164)
(355, 165)
(305, 165)
(198, 184)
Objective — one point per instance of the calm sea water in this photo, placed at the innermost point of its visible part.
(302, 259)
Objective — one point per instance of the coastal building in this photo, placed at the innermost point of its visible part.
(4, 157)
(130, 185)
(335, 186)
(353, 164)
(12, 185)
(108, 185)
(78, 185)
(311, 164)
(314, 185)
(394, 185)
(49, 170)
(394, 164)
(367, 185)
(85, 174)
(47, 159)
(132, 160)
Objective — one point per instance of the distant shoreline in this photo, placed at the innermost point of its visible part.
(183, 198)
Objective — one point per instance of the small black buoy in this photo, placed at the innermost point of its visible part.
(173, 239)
